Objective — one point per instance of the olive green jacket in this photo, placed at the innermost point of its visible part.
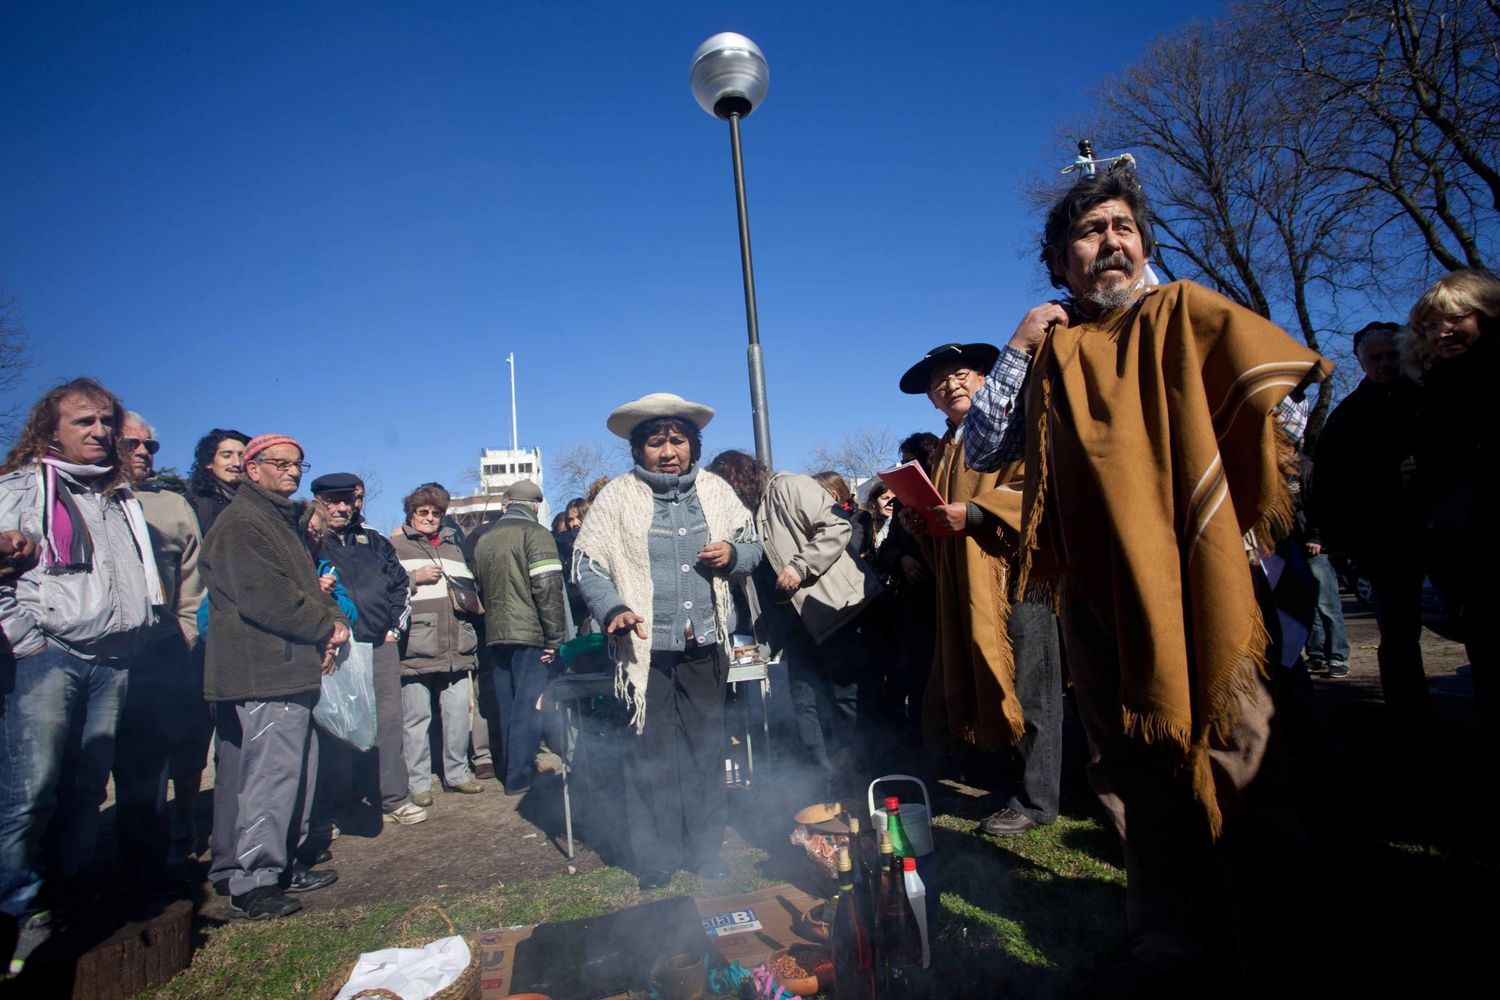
(520, 578)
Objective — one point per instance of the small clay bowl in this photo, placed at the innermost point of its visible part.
(811, 924)
(817, 961)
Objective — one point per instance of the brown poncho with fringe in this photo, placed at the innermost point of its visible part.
(971, 692)
(1152, 453)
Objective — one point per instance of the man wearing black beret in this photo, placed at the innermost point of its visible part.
(371, 572)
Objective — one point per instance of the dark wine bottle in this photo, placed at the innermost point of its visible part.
(850, 939)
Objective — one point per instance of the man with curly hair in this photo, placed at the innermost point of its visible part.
(71, 623)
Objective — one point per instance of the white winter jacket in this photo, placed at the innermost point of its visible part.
(101, 613)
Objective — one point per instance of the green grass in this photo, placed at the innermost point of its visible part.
(1036, 913)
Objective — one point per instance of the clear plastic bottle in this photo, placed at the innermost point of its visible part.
(916, 896)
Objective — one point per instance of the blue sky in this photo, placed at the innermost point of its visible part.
(335, 220)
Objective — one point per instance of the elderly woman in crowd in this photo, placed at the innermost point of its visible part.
(1457, 463)
(654, 559)
(215, 474)
(813, 590)
(438, 650)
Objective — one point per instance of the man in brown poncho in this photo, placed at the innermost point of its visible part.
(1150, 456)
(996, 681)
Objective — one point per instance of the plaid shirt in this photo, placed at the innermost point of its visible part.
(991, 437)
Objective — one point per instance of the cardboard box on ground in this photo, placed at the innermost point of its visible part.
(612, 955)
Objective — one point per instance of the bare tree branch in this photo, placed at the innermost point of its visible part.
(862, 452)
(573, 468)
(14, 360)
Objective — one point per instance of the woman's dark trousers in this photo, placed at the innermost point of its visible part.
(675, 806)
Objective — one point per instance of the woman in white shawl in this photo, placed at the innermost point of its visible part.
(653, 562)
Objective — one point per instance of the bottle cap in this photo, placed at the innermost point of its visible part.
(885, 842)
(908, 864)
(844, 863)
(854, 825)
(892, 803)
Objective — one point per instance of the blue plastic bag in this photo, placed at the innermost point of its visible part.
(346, 709)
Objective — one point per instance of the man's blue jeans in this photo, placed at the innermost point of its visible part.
(57, 742)
(520, 678)
(1327, 643)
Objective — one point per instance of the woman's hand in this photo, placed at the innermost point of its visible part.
(625, 621)
(425, 574)
(789, 579)
(716, 555)
(914, 523)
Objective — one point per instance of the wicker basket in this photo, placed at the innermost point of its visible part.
(465, 987)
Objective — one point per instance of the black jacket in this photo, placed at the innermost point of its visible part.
(269, 618)
(1357, 496)
(209, 504)
(371, 572)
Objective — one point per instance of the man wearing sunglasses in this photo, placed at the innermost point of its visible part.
(164, 724)
(371, 572)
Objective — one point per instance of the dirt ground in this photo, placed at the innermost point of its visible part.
(471, 841)
(1366, 778)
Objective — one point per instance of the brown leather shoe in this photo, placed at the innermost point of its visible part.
(470, 787)
(1007, 823)
(484, 772)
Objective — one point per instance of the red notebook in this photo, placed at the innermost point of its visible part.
(915, 491)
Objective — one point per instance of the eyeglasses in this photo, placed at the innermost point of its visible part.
(957, 380)
(131, 444)
(1447, 322)
(428, 512)
(284, 465)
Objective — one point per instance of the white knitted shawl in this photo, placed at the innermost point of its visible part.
(613, 540)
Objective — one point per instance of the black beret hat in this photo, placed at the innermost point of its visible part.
(335, 482)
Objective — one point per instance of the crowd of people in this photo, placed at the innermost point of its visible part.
(1126, 501)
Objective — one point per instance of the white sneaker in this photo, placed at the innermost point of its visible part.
(406, 815)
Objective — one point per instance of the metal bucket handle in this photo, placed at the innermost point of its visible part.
(900, 777)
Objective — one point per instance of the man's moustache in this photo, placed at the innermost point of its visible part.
(1114, 260)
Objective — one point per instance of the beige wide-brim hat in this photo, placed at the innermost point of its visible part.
(657, 404)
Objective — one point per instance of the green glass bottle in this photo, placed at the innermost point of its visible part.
(899, 844)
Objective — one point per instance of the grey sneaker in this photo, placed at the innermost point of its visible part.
(407, 814)
(1336, 669)
(34, 932)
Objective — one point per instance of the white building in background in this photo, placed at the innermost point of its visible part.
(498, 469)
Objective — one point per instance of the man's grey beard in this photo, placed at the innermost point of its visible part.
(1120, 295)
(1114, 298)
